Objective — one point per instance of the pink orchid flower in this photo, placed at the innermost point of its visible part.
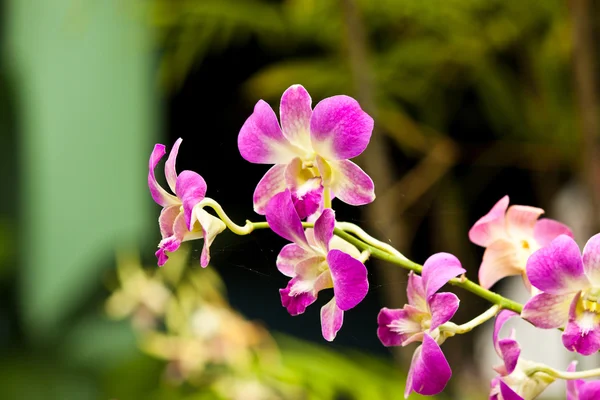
(313, 265)
(569, 283)
(182, 217)
(513, 383)
(510, 235)
(310, 150)
(420, 319)
(578, 389)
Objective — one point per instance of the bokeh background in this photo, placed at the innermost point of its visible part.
(472, 100)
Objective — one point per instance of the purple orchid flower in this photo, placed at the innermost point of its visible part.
(182, 217)
(570, 292)
(419, 321)
(310, 150)
(512, 382)
(313, 264)
(578, 389)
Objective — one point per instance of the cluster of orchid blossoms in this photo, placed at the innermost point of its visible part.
(310, 151)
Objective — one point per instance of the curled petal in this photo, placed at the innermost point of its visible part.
(211, 227)
(573, 385)
(547, 311)
(350, 284)
(499, 261)
(190, 189)
(348, 182)
(295, 112)
(306, 188)
(290, 256)
(271, 183)
(172, 243)
(557, 268)
(507, 393)
(332, 318)
(339, 128)
(429, 370)
(520, 220)
(167, 220)
(323, 231)
(397, 326)
(415, 291)
(159, 194)
(170, 172)
(582, 333)
(295, 303)
(591, 259)
(438, 270)
(261, 141)
(491, 226)
(443, 306)
(509, 351)
(501, 319)
(284, 220)
(546, 230)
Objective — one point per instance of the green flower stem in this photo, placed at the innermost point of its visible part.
(374, 248)
(454, 329)
(590, 373)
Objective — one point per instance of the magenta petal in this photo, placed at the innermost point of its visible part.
(284, 220)
(167, 219)
(501, 319)
(323, 231)
(397, 326)
(429, 370)
(508, 393)
(307, 200)
(510, 352)
(582, 333)
(190, 189)
(438, 270)
(415, 291)
(348, 182)
(261, 141)
(170, 172)
(443, 306)
(295, 304)
(546, 230)
(332, 318)
(573, 385)
(159, 194)
(339, 128)
(295, 112)
(557, 268)
(350, 284)
(289, 256)
(589, 391)
(490, 227)
(271, 183)
(591, 259)
(547, 311)
(211, 227)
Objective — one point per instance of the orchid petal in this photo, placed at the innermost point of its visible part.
(415, 292)
(501, 319)
(499, 261)
(306, 188)
(339, 128)
(211, 227)
(348, 182)
(443, 306)
(507, 393)
(295, 113)
(582, 333)
(557, 268)
(491, 226)
(283, 219)
(172, 243)
(338, 243)
(332, 318)
(289, 256)
(429, 370)
(170, 171)
(591, 259)
(295, 303)
(396, 325)
(271, 183)
(520, 220)
(573, 385)
(160, 195)
(190, 189)
(590, 391)
(350, 284)
(546, 230)
(438, 270)
(166, 220)
(547, 311)
(509, 351)
(261, 141)
(323, 231)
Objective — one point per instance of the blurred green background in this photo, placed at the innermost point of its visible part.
(472, 99)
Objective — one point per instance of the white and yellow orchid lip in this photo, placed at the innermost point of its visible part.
(182, 218)
(311, 144)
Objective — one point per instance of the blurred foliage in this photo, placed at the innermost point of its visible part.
(180, 316)
(513, 56)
